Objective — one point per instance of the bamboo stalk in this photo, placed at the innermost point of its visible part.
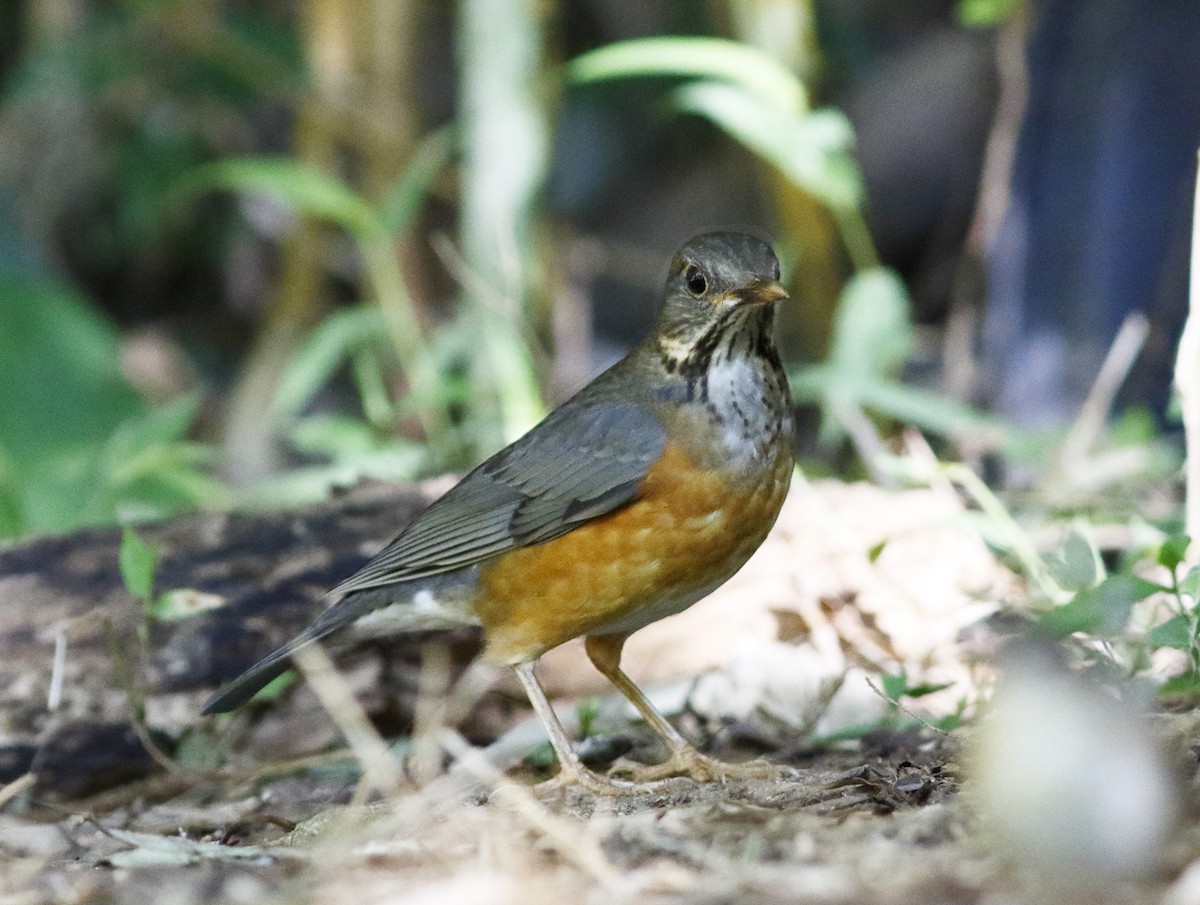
(505, 155)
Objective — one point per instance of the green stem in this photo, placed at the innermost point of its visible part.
(1018, 541)
(395, 304)
(856, 236)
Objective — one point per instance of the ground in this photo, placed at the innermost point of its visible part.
(114, 790)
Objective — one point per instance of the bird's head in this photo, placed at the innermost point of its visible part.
(718, 282)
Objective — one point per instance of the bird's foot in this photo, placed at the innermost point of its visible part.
(596, 783)
(702, 768)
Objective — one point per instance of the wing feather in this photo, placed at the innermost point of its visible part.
(585, 460)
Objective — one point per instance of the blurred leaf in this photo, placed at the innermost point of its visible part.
(895, 686)
(147, 470)
(135, 447)
(60, 383)
(540, 756)
(373, 390)
(329, 346)
(404, 200)
(305, 486)
(1175, 633)
(928, 688)
(199, 749)
(1190, 584)
(949, 722)
(876, 551)
(810, 149)
(911, 405)
(1134, 426)
(78, 444)
(138, 561)
(986, 13)
(184, 603)
(1180, 690)
(586, 712)
(872, 331)
(872, 338)
(1172, 551)
(1075, 565)
(341, 438)
(1102, 610)
(754, 70)
(12, 519)
(306, 190)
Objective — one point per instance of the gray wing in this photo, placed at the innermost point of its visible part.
(586, 459)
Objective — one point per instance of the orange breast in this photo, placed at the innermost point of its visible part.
(686, 533)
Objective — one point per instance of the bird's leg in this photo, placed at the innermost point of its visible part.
(571, 769)
(605, 653)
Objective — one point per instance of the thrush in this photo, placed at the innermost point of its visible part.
(629, 502)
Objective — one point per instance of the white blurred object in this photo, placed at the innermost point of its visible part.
(1071, 781)
(787, 689)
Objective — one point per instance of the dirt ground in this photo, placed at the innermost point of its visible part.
(113, 790)
(843, 827)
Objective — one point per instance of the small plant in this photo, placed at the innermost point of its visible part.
(1117, 618)
(89, 451)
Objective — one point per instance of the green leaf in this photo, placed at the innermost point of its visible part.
(586, 712)
(184, 603)
(1075, 565)
(813, 150)
(12, 519)
(986, 13)
(1102, 610)
(329, 346)
(874, 553)
(872, 337)
(872, 329)
(1180, 689)
(1175, 633)
(299, 186)
(60, 382)
(895, 686)
(401, 204)
(753, 70)
(949, 722)
(911, 405)
(920, 691)
(540, 756)
(61, 395)
(134, 446)
(337, 437)
(1190, 583)
(138, 561)
(1134, 426)
(1173, 550)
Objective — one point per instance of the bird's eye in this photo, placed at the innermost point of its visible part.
(775, 271)
(695, 280)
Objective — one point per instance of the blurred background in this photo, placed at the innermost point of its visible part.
(251, 252)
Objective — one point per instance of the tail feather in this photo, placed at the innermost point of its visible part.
(247, 685)
(279, 661)
(377, 612)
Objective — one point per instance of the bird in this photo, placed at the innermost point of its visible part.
(629, 502)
